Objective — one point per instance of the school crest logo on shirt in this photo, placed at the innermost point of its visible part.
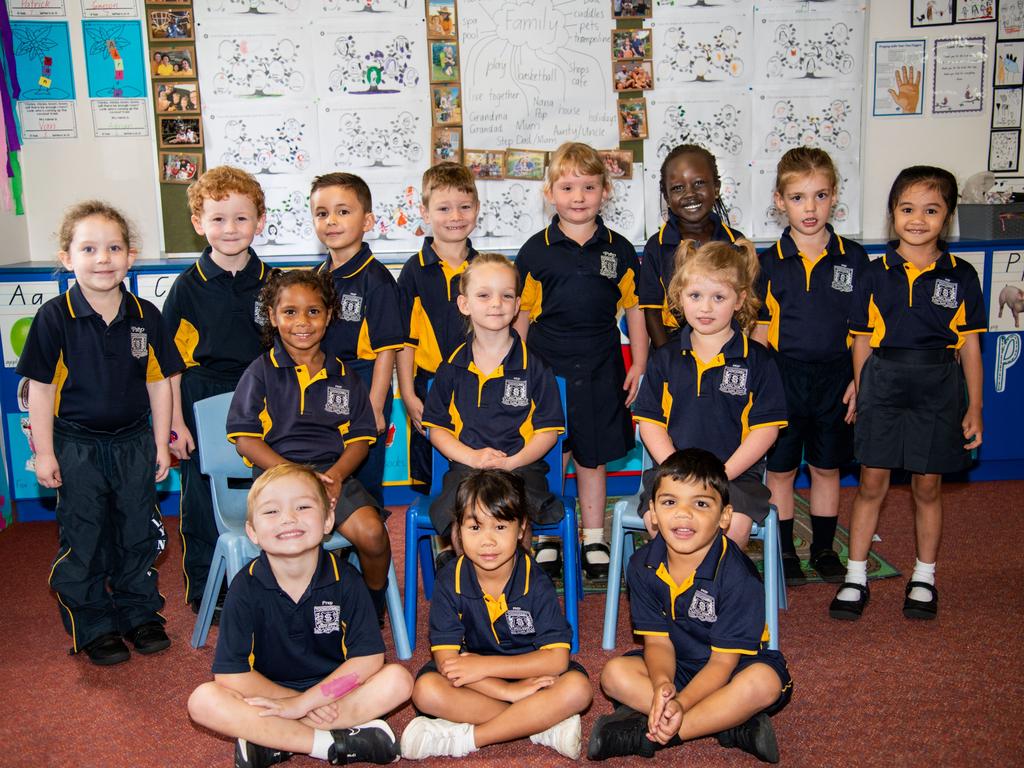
(140, 342)
(515, 393)
(520, 622)
(944, 294)
(337, 401)
(734, 380)
(842, 278)
(351, 307)
(609, 265)
(259, 313)
(326, 619)
(702, 607)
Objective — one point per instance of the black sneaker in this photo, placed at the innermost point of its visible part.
(624, 732)
(249, 755)
(756, 736)
(107, 650)
(372, 742)
(791, 570)
(149, 637)
(828, 565)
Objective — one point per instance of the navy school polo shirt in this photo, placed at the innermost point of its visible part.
(370, 320)
(714, 404)
(308, 420)
(100, 370)
(900, 306)
(501, 410)
(720, 607)
(215, 317)
(427, 289)
(525, 617)
(806, 300)
(573, 292)
(296, 644)
(659, 264)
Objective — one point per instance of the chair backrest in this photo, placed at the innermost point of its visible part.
(219, 460)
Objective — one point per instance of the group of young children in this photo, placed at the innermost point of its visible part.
(740, 367)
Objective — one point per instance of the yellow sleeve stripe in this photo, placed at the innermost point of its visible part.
(652, 421)
(367, 438)
(447, 647)
(741, 651)
(974, 330)
(555, 645)
(388, 346)
(779, 424)
(558, 430)
(650, 306)
(764, 322)
(650, 633)
(861, 333)
(233, 436)
(431, 425)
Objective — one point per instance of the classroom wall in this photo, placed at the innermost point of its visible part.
(891, 143)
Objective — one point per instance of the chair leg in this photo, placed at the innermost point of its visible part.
(215, 577)
(399, 631)
(571, 581)
(772, 577)
(615, 566)
(411, 592)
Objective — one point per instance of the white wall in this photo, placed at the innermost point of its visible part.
(892, 143)
(60, 172)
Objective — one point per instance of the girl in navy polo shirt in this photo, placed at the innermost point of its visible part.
(713, 388)
(916, 316)
(500, 643)
(295, 404)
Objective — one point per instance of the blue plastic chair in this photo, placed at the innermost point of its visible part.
(626, 519)
(219, 460)
(419, 529)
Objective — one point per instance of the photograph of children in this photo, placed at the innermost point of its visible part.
(632, 44)
(446, 144)
(525, 164)
(444, 61)
(171, 24)
(177, 97)
(173, 62)
(633, 75)
(180, 167)
(441, 19)
(484, 163)
(631, 9)
(181, 132)
(632, 119)
(447, 101)
(618, 162)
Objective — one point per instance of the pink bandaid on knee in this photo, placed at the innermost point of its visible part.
(340, 686)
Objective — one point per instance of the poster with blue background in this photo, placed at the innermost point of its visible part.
(114, 59)
(42, 55)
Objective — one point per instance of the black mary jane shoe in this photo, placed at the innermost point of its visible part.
(595, 570)
(849, 610)
(920, 609)
(552, 567)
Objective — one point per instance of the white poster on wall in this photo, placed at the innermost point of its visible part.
(809, 44)
(798, 115)
(958, 76)
(47, 120)
(899, 72)
(536, 73)
(510, 212)
(623, 212)
(719, 121)
(375, 142)
(718, 50)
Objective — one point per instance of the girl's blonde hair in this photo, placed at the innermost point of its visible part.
(482, 259)
(804, 161)
(733, 263)
(579, 158)
(87, 208)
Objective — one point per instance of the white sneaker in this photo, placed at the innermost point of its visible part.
(566, 737)
(433, 737)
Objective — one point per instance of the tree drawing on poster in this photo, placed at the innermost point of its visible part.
(678, 8)
(288, 220)
(510, 211)
(42, 55)
(537, 73)
(721, 123)
(234, 7)
(391, 7)
(367, 62)
(397, 211)
(817, 43)
(374, 141)
(261, 140)
(257, 65)
(787, 117)
(704, 52)
(114, 59)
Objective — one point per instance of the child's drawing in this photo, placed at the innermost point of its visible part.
(288, 220)
(260, 141)
(704, 52)
(369, 63)
(375, 142)
(785, 118)
(254, 65)
(232, 7)
(399, 225)
(816, 43)
(624, 209)
(720, 123)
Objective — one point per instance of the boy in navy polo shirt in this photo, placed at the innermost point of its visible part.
(213, 312)
(698, 603)
(428, 287)
(299, 666)
(98, 357)
(368, 329)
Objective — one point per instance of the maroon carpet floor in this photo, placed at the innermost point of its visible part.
(880, 692)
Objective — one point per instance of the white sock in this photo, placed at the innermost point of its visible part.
(856, 573)
(548, 554)
(322, 741)
(465, 741)
(594, 536)
(924, 572)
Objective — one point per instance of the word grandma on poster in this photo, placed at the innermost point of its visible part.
(537, 73)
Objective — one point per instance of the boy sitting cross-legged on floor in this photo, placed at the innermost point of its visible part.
(299, 666)
(696, 599)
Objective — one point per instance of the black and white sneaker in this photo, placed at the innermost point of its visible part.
(756, 736)
(249, 755)
(622, 733)
(372, 742)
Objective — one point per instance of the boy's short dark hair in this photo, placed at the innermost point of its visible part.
(347, 181)
(694, 465)
(448, 175)
(501, 493)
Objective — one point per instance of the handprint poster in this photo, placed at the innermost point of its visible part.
(899, 71)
